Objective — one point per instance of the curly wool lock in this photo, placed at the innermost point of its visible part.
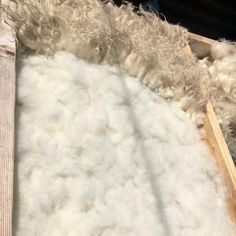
(142, 45)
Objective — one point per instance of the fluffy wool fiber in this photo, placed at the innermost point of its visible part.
(143, 45)
(99, 154)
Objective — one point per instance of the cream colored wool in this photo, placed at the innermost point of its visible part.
(144, 46)
(97, 153)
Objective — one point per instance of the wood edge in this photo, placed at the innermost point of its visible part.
(187, 49)
(217, 145)
(220, 151)
(202, 39)
(200, 45)
(7, 129)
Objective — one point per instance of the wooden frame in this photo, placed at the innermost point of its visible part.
(214, 138)
(200, 45)
(220, 151)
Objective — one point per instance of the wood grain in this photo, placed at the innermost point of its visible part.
(7, 111)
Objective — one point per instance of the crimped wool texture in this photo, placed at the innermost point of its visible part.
(143, 45)
(99, 154)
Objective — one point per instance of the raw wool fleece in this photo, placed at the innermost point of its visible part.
(99, 154)
(222, 69)
(142, 45)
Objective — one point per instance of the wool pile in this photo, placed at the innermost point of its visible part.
(100, 154)
(141, 44)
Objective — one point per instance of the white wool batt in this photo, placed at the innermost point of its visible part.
(99, 154)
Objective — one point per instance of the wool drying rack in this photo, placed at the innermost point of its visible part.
(214, 138)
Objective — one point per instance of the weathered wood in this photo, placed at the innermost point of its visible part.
(7, 122)
(220, 151)
(7, 114)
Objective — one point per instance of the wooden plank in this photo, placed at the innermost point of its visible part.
(7, 123)
(217, 145)
(220, 151)
(200, 45)
(7, 110)
(202, 39)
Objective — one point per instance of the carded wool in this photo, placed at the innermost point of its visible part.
(97, 153)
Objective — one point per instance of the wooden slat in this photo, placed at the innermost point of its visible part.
(220, 151)
(201, 39)
(7, 123)
(7, 108)
(200, 45)
(217, 145)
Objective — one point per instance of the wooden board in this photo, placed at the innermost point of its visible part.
(215, 139)
(200, 45)
(7, 114)
(220, 151)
